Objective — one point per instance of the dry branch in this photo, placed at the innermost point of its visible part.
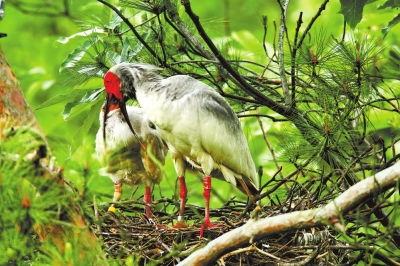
(257, 229)
(281, 42)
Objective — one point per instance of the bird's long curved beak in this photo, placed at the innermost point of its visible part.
(105, 116)
(110, 101)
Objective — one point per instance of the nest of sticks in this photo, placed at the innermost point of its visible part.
(128, 233)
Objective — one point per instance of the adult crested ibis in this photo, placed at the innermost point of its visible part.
(197, 124)
(129, 158)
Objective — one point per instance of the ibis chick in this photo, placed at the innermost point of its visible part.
(130, 158)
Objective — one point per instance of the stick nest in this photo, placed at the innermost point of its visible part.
(128, 233)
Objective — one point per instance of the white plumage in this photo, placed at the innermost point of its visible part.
(195, 121)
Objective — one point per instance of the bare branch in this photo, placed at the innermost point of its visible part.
(236, 76)
(262, 115)
(294, 55)
(281, 42)
(308, 28)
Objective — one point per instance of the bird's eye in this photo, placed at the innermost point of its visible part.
(151, 125)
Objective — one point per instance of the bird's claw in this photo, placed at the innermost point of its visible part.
(208, 224)
(112, 209)
(180, 225)
(158, 226)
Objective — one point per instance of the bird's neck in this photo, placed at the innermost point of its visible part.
(147, 81)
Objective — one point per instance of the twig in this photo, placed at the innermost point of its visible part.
(247, 249)
(344, 30)
(309, 258)
(137, 35)
(308, 28)
(294, 55)
(281, 43)
(265, 27)
(262, 115)
(271, 149)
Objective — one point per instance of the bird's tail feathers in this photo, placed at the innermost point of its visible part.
(243, 184)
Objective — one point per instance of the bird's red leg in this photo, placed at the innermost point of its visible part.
(183, 196)
(147, 201)
(207, 193)
(147, 208)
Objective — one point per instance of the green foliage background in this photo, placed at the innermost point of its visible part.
(35, 54)
(35, 50)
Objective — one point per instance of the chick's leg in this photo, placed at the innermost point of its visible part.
(148, 202)
(116, 196)
(180, 168)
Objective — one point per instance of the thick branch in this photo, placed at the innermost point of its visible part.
(257, 229)
(236, 76)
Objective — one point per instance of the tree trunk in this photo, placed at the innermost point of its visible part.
(15, 112)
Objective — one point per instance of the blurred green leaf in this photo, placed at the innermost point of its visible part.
(390, 25)
(87, 98)
(91, 117)
(391, 4)
(85, 33)
(352, 11)
(391, 69)
(60, 98)
(75, 56)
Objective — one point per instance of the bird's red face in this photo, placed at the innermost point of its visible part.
(112, 84)
(114, 100)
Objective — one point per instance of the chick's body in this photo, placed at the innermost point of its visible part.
(126, 160)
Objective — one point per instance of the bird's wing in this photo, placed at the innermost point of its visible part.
(222, 136)
(154, 156)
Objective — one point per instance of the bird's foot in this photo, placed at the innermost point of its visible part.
(156, 225)
(208, 224)
(180, 225)
(112, 209)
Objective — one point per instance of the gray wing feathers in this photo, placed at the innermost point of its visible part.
(221, 133)
(223, 138)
